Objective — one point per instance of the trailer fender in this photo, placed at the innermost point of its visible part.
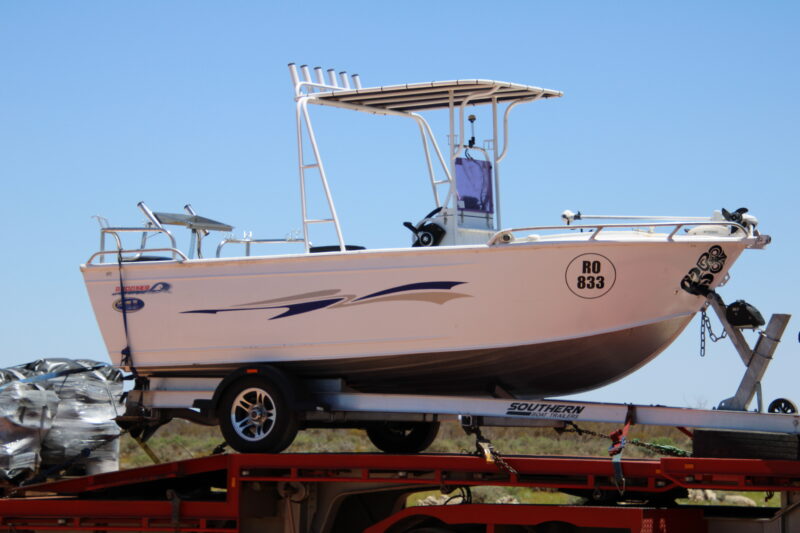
(297, 394)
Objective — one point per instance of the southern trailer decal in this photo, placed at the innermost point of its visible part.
(545, 410)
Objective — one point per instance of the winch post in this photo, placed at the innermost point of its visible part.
(756, 360)
(735, 334)
(761, 357)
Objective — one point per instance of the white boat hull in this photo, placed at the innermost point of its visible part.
(440, 320)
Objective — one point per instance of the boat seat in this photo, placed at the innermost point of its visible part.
(334, 248)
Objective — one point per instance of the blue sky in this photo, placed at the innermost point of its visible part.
(672, 108)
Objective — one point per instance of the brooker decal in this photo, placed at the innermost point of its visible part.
(131, 305)
(161, 286)
(545, 410)
(437, 292)
(590, 275)
(699, 279)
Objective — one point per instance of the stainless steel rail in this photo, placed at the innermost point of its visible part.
(114, 232)
(173, 251)
(247, 242)
(505, 236)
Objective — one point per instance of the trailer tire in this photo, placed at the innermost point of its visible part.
(402, 437)
(255, 415)
(745, 445)
(782, 405)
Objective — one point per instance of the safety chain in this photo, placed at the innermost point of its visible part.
(655, 448)
(484, 448)
(705, 324)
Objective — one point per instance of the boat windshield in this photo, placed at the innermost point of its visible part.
(474, 185)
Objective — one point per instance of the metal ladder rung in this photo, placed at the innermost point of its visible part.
(312, 165)
(441, 182)
(319, 221)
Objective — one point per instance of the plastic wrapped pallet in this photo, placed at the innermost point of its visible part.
(89, 395)
(86, 397)
(27, 411)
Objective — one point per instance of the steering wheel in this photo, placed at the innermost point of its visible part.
(425, 232)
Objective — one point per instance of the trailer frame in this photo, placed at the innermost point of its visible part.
(332, 493)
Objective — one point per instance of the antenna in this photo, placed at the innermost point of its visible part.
(471, 119)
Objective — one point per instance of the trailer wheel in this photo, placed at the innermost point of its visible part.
(256, 417)
(403, 437)
(782, 405)
(745, 445)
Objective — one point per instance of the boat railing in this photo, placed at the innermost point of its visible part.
(151, 228)
(248, 242)
(507, 235)
(136, 254)
(154, 225)
(133, 254)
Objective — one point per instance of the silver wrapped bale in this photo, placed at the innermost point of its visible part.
(27, 411)
(85, 395)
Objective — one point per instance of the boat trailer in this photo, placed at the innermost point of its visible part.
(330, 403)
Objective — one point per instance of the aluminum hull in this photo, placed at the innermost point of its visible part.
(545, 369)
(449, 320)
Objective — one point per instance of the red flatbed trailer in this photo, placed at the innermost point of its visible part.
(331, 493)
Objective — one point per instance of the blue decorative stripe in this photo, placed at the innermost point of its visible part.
(215, 311)
(305, 307)
(442, 285)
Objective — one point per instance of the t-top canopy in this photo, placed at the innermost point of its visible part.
(435, 95)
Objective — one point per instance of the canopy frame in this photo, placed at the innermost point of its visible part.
(405, 101)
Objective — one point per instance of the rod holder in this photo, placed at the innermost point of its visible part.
(320, 75)
(306, 73)
(345, 79)
(293, 74)
(150, 215)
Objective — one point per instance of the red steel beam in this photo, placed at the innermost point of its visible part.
(69, 508)
(636, 520)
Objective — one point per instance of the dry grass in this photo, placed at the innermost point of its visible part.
(183, 440)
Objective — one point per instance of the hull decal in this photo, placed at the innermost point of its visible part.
(429, 291)
(315, 294)
(161, 286)
(590, 276)
(428, 285)
(699, 279)
(129, 305)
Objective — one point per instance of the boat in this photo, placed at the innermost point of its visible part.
(469, 307)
